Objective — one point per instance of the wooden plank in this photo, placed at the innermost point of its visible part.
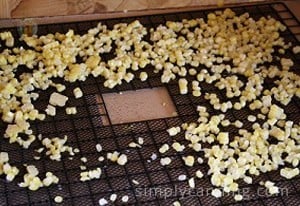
(46, 8)
(33, 8)
(5, 9)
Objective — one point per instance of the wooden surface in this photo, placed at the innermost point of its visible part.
(45, 8)
(15, 13)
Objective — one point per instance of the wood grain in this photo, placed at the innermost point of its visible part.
(46, 8)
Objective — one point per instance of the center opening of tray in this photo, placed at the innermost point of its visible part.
(139, 105)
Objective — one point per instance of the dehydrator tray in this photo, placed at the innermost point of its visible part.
(92, 125)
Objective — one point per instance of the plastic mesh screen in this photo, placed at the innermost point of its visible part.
(85, 130)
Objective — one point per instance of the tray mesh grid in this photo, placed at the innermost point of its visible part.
(85, 130)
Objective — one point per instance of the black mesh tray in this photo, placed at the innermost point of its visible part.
(85, 131)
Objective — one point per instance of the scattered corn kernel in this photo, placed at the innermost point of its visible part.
(164, 148)
(173, 131)
(183, 89)
(176, 203)
(191, 182)
(189, 160)
(296, 49)
(199, 174)
(125, 198)
(182, 177)
(216, 193)
(90, 175)
(50, 110)
(143, 76)
(223, 138)
(103, 202)
(57, 99)
(58, 199)
(113, 197)
(98, 147)
(178, 147)
(289, 173)
(122, 160)
(165, 161)
(77, 93)
(238, 197)
(71, 110)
